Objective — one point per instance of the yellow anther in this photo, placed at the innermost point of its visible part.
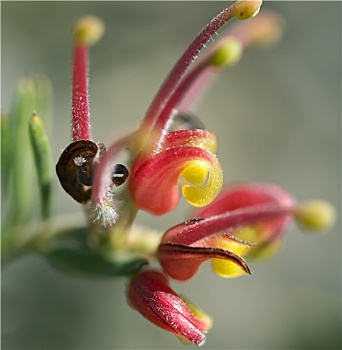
(316, 215)
(227, 54)
(88, 30)
(244, 9)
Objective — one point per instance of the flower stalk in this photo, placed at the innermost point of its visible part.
(87, 32)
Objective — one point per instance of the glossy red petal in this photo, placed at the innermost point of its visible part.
(154, 180)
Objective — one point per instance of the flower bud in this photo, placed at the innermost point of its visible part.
(227, 54)
(246, 9)
(316, 215)
(149, 293)
(88, 30)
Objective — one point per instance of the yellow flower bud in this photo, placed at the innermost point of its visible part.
(316, 215)
(88, 30)
(227, 54)
(246, 9)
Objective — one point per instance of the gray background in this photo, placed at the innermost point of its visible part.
(277, 117)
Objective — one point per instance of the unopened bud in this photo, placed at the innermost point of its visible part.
(227, 54)
(88, 30)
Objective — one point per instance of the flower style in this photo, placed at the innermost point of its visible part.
(240, 222)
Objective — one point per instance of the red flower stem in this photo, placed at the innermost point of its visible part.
(193, 231)
(183, 63)
(80, 108)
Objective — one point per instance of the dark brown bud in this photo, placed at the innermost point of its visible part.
(120, 175)
(75, 169)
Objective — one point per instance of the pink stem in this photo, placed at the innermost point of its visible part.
(183, 63)
(80, 108)
(198, 78)
(191, 232)
(176, 98)
(196, 90)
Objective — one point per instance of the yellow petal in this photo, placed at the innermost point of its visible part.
(205, 181)
(225, 268)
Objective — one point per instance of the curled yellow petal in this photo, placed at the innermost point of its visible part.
(196, 173)
(204, 182)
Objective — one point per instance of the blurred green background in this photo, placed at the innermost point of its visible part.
(277, 116)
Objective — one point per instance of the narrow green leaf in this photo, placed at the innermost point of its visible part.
(5, 155)
(22, 191)
(43, 160)
(33, 94)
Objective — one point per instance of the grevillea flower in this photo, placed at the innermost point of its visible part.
(228, 226)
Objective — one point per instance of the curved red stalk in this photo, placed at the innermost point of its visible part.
(195, 230)
(183, 63)
(201, 74)
(175, 99)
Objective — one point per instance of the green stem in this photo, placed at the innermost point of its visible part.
(21, 239)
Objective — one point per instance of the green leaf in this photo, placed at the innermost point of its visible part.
(43, 161)
(22, 191)
(33, 94)
(5, 155)
(80, 260)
